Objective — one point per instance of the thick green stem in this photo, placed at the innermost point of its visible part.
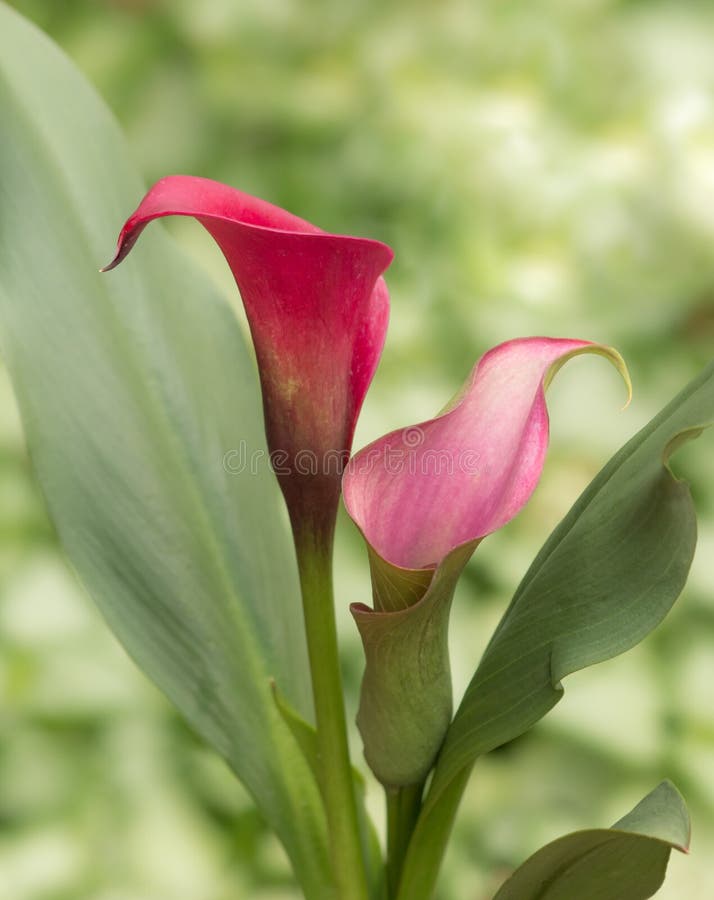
(337, 785)
(431, 835)
(403, 805)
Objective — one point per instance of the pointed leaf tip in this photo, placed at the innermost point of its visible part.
(625, 862)
(662, 815)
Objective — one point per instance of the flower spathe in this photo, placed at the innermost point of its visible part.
(317, 308)
(423, 497)
(419, 492)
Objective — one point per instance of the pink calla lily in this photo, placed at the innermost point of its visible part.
(317, 308)
(423, 497)
(419, 492)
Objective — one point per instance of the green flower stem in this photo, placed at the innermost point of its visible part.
(428, 844)
(403, 805)
(337, 784)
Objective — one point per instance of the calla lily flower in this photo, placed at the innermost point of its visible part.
(317, 310)
(423, 498)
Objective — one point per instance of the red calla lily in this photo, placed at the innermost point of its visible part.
(318, 311)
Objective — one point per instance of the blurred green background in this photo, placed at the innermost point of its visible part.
(539, 168)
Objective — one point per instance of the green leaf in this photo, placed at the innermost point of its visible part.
(132, 388)
(304, 733)
(625, 862)
(606, 577)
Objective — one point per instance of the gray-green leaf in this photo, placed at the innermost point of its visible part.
(132, 389)
(625, 862)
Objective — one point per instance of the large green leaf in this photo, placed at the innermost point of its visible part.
(132, 388)
(606, 576)
(625, 862)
